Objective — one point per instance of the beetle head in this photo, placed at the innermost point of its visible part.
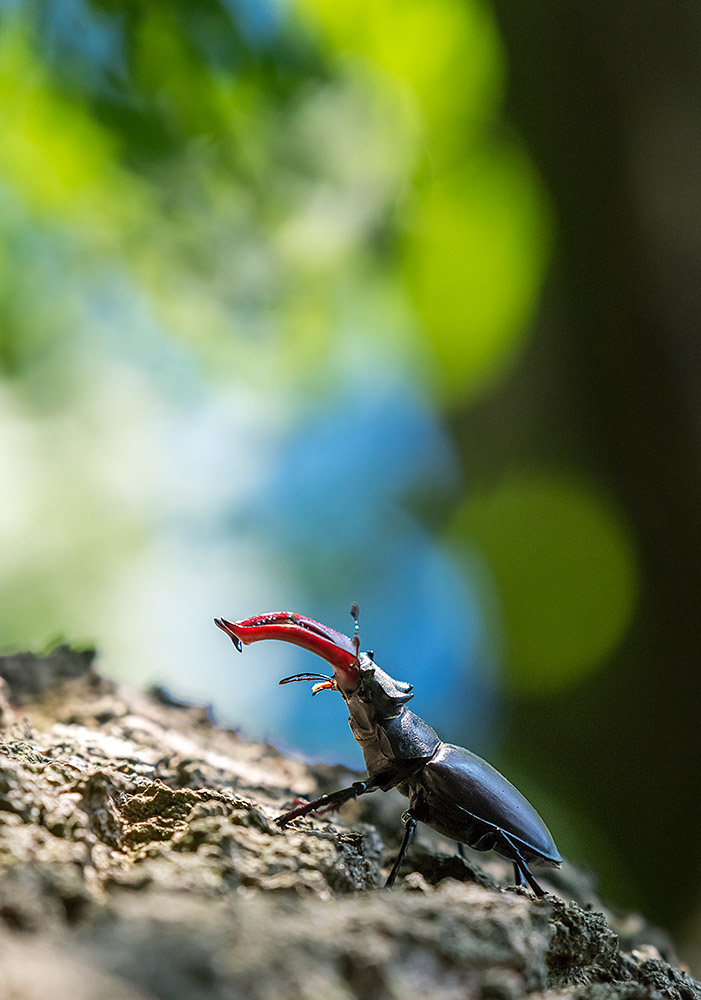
(381, 696)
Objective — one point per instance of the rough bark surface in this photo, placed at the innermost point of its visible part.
(139, 858)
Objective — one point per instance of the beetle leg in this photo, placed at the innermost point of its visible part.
(519, 863)
(409, 822)
(518, 876)
(331, 801)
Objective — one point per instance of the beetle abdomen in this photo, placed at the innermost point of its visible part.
(466, 799)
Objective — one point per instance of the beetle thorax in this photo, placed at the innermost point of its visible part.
(374, 706)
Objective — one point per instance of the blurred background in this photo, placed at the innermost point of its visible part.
(305, 302)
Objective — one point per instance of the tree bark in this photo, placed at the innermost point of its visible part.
(139, 858)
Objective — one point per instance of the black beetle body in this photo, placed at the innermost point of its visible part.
(466, 799)
(449, 788)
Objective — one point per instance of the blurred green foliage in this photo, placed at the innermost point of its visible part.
(276, 191)
(219, 221)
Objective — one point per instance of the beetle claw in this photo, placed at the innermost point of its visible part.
(222, 624)
(334, 647)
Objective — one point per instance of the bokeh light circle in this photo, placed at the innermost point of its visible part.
(564, 572)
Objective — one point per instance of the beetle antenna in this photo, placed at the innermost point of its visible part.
(355, 615)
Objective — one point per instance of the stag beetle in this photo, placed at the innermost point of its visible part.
(450, 789)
